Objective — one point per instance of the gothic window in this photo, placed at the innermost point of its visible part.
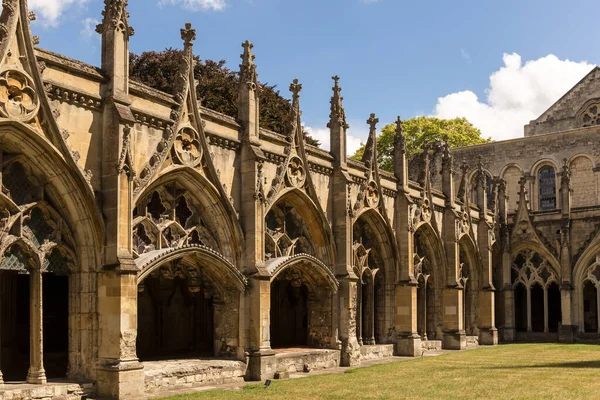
(168, 218)
(534, 279)
(547, 188)
(591, 115)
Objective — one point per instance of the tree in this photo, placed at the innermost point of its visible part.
(458, 132)
(217, 86)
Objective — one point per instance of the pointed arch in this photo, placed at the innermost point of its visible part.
(77, 205)
(434, 248)
(216, 264)
(314, 270)
(215, 212)
(313, 218)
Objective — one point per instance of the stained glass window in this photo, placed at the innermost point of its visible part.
(547, 182)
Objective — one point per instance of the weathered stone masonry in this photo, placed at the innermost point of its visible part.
(148, 243)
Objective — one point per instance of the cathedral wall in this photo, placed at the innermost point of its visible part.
(512, 159)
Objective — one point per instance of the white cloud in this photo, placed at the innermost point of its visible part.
(517, 94)
(354, 137)
(89, 29)
(196, 5)
(50, 11)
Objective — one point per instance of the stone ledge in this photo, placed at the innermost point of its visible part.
(375, 351)
(169, 375)
(52, 390)
(295, 360)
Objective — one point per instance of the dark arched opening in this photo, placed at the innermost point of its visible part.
(537, 308)
(289, 313)
(55, 305)
(590, 307)
(175, 314)
(380, 331)
(554, 309)
(14, 322)
(520, 308)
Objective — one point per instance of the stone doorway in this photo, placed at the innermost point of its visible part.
(56, 324)
(289, 314)
(590, 307)
(14, 325)
(175, 317)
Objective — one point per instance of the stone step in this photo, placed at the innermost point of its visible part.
(296, 360)
(472, 341)
(169, 375)
(374, 351)
(51, 390)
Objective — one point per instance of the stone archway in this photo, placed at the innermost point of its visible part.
(302, 293)
(188, 305)
(36, 290)
(537, 297)
(469, 277)
(429, 273)
(374, 265)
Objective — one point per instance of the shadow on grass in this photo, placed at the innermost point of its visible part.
(574, 364)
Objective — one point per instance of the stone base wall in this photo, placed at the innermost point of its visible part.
(161, 376)
(431, 345)
(63, 391)
(295, 361)
(375, 351)
(472, 341)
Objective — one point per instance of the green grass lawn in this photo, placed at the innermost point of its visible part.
(541, 371)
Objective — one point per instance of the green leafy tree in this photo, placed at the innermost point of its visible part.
(217, 86)
(458, 132)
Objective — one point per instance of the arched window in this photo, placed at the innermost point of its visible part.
(547, 188)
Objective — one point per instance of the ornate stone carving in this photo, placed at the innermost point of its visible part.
(18, 98)
(372, 195)
(187, 149)
(115, 17)
(295, 175)
(591, 115)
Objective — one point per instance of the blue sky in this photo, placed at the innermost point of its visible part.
(394, 57)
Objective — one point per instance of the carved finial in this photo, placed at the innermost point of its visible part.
(295, 88)
(188, 35)
(248, 74)
(248, 57)
(462, 189)
(31, 16)
(371, 147)
(522, 183)
(337, 109)
(399, 138)
(115, 17)
(464, 168)
(372, 121)
(446, 158)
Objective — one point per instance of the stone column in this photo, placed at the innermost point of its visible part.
(507, 295)
(359, 312)
(488, 334)
(567, 330)
(119, 374)
(342, 227)
(36, 373)
(261, 363)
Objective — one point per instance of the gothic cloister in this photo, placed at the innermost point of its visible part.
(149, 243)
